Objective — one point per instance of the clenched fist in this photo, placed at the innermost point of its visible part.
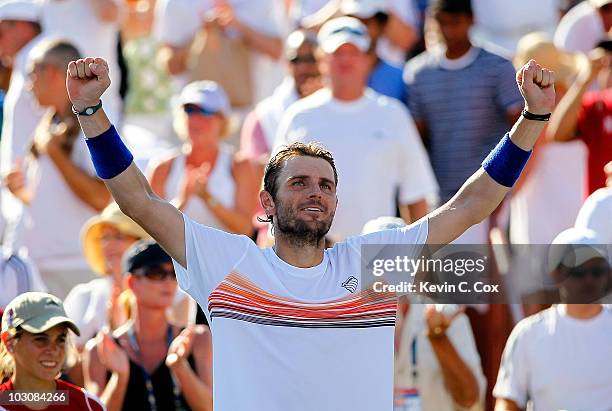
(86, 81)
(537, 85)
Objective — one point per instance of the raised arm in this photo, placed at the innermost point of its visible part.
(484, 190)
(86, 81)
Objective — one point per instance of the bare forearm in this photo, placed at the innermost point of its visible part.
(400, 33)
(458, 377)
(564, 119)
(197, 394)
(87, 188)
(272, 46)
(503, 404)
(114, 392)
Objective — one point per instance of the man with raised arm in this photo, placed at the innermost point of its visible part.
(294, 329)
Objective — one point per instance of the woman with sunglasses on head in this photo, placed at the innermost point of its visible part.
(150, 364)
(207, 181)
(32, 354)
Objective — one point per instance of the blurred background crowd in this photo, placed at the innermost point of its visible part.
(409, 95)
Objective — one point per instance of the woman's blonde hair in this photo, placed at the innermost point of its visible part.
(7, 364)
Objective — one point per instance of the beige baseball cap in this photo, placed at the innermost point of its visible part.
(36, 312)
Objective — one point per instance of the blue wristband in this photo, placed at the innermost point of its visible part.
(109, 155)
(506, 161)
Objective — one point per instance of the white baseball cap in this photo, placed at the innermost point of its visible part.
(363, 9)
(343, 30)
(574, 247)
(20, 10)
(206, 94)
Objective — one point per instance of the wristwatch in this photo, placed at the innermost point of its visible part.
(436, 332)
(87, 111)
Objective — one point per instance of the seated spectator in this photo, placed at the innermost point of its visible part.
(584, 26)
(355, 122)
(105, 238)
(18, 275)
(207, 181)
(56, 182)
(586, 115)
(462, 98)
(32, 354)
(436, 361)
(559, 359)
(150, 363)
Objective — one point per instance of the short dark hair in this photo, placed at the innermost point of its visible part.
(276, 163)
(452, 6)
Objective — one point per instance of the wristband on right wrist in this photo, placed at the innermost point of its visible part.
(109, 154)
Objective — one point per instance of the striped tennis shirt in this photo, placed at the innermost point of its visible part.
(288, 338)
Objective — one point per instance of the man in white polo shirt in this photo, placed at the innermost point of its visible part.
(559, 359)
(373, 139)
(296, 327)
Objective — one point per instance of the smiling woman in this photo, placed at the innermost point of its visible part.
(32, 354)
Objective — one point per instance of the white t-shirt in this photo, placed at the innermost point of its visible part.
(376, 147)
(177, 21)
(499, 24)
(596, 214)
(580, 29)
(288, 338)
(50, 226)
(433, 392)
(558, 362)
(77, 22)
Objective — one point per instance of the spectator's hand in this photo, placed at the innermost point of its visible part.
(537, 85)
(86, 81)
(112, 357)
(437, 321)
(181, 346)
(194, 180)
(199, 176)
(225, 16)
(596, 61)
(15, 180)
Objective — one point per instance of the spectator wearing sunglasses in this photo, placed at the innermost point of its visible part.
(206, 180)
(560, 358)
(161, 366)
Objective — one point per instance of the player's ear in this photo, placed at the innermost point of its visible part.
(267, 202)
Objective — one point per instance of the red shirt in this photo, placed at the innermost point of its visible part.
(78, 399)
(595, 129)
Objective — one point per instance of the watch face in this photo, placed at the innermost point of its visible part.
(89, 111)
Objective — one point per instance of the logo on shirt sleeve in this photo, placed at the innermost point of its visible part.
(351, 284)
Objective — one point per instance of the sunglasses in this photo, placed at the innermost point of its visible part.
(190, 109)
(156, 273)
(310, 59)
(595, 272)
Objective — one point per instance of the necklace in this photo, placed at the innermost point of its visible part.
(178, 405)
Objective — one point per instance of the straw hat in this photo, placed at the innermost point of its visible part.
(539, 47)
(92, 230)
